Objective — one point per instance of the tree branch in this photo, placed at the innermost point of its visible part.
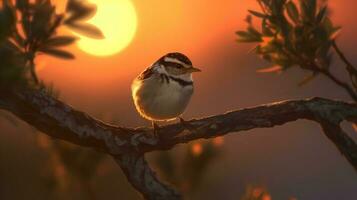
(142, 178)
(128, 145)
(340, 83)
(342, 56)
(342, 141)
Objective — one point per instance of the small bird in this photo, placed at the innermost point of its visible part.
(162, 91)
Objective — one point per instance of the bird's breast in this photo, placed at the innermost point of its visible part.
(160, 100)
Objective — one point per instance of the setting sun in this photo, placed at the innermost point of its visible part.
(118, 21)
(98, 99)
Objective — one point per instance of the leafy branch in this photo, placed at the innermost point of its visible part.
(29, 28)
(297, 34)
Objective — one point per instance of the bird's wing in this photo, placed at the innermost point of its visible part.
(147, 73)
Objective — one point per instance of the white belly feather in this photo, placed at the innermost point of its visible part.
(159, 101)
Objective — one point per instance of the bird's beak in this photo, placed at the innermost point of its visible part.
(193, 69)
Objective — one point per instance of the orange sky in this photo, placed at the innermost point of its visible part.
(204, 30)
(192, 27)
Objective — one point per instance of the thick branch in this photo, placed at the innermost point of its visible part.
(61, 121)
(142, 178)
(128, 145)
(344, 143)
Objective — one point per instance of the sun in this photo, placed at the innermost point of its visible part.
(118, 21)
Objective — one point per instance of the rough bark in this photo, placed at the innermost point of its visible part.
(128, 145)
(143, 179)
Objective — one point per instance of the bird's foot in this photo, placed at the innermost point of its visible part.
(156, 130)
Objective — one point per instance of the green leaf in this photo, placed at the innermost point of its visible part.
(43, 17)
(266, 29)
(253, 31)
(7, 21)
(292, 11)
(17, 37)
(308, 9)
(57, 53)
(79, 10)
(87, 30)
(244, 36)
(11, 46)
(321, 15)
(330, 29)
(60, 41)
(312, 7)
(11, 66)
(248, 19)
(257, 14)
(22, 4)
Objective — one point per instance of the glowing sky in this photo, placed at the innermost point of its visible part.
(204, 30)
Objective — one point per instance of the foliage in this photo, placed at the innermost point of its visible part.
(298, 33)
(292, 34)
(11, 70)
(29, 28)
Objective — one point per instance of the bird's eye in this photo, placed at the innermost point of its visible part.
(178, 66)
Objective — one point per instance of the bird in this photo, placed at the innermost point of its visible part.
(163, 90)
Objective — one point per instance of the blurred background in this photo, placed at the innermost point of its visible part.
(294, 161)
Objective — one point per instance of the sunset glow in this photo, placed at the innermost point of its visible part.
(118, 21)
(95, 104)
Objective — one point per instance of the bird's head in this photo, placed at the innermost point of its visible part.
(177, 64)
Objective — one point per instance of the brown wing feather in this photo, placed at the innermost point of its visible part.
(146, 74)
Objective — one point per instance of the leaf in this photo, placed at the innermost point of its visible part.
(265, 29)
(87, 30)
(41, 23)
(79, 10)
(308, 9)
(57, 53)
(7, 20)
(251, 35)
(254, 32)
(292, 11)
(18, 38)
(248, 19)
(312, 7)
(9, 44)
(60, 41)
(22, 4)
(275, 68)
(257, 14)
(321, 15)
(247, 37)
(330, 29)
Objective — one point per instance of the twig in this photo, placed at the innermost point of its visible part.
(342, 56)
(340, 83)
